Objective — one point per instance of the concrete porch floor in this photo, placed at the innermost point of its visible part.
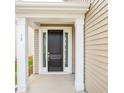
(52, 84)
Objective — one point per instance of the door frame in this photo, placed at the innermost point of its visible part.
(66, 70)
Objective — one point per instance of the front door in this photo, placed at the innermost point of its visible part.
(55, 50)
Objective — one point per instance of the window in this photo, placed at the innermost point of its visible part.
(66, 49)
(44, 49)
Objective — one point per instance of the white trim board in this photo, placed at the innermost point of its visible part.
(48, 8)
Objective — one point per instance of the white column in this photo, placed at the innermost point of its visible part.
(22, 54)
(79, 54)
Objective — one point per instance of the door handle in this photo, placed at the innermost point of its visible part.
(48, 55)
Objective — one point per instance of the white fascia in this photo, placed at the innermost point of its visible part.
(35, 8)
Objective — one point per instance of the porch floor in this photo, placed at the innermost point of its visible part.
(51, 84)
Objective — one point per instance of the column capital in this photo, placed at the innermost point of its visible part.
(79, 21)
(20, 20)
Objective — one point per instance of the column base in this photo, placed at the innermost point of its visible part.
(79, 86)
(22, 89)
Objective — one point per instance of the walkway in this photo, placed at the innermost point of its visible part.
(52, 84)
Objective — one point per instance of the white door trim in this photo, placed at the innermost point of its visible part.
(66, 70)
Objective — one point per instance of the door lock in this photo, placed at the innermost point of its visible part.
(48, 55)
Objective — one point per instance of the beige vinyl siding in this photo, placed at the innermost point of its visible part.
(36, 51)
(96, 47)
(73, 49)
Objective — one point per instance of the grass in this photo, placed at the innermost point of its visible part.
(30, 68)
(15, 73)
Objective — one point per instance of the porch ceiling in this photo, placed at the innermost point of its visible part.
(39, 21)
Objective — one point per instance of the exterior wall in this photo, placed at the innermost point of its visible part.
(96, 47)
(36, 48)
(36, 51)
(30, 41)
(73, 50)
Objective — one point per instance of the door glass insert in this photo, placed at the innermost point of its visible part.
(66, 49)
(44, 49)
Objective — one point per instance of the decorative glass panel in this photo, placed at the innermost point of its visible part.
(44, 49)
(66, 49)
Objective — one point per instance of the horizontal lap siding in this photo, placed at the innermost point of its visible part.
(36, 51)
(96, 47)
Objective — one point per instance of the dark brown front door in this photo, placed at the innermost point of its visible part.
(55, 50)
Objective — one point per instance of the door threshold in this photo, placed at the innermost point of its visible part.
(55, 73)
